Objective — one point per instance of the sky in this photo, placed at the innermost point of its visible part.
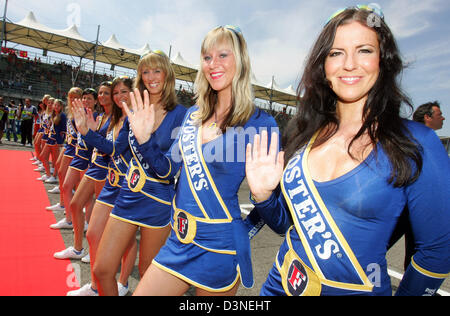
(279, 33)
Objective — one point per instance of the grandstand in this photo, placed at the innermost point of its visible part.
(36, 75)
(25, 74)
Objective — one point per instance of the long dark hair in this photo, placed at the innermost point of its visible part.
(381, 113)
(116, 111)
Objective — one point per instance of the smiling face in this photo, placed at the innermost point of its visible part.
(219, 66)
(104, 96)
(88, 101)
(121, 93)
(50, 105)
(352, 66)
(153, 79)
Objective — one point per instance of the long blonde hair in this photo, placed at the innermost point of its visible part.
(242, 106)
(157, 59)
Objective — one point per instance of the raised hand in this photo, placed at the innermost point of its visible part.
(141, 116)
(80, 116)
(263, 168)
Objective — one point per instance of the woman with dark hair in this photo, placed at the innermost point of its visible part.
(352, 164)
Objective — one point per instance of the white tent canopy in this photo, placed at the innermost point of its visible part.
(30, 32)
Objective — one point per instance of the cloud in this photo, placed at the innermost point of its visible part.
(279, 40)
(181, 26)
(407, 18)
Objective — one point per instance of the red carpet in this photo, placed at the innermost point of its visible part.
(27, 244)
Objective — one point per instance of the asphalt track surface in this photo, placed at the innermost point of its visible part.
(264, 247)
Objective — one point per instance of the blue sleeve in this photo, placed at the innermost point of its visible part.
(430, 220)
(106, 146)
(256, 219)
(165, 165)
(98, 141)
(275, 212)
(63, 123)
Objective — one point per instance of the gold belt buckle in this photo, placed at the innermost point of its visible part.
(185, 226)
(136, 178)
(113, 177)
(297, 278)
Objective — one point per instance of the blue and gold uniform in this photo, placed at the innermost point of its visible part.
(71, 139)
(145, 199)
(83, 153)
(98, 169)
(209, 243)
(118, 164)
(57, 133)
(338, 231)
(45, 126)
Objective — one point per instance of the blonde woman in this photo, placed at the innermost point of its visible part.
(209, 244)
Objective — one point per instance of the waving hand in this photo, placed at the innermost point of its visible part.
(141, 116)
(263, 168)
(84, 119)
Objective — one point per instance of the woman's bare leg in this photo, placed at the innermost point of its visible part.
(71, 181)
(116, 239)
(157, 282)
(62, 171)
(83, 195)
(152, 239)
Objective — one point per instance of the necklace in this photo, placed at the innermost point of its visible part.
(213, 124)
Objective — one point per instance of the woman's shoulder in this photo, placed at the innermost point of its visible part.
(261, 118)
(419, 131)
(179, 109)
(426, 138)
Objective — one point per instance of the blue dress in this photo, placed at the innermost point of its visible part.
(209, 243)
(98, 168)
(117, 148)
(338, 230)
(58, 132)
(71, 139)
(145, 199)
(134, 191)
(83, 153)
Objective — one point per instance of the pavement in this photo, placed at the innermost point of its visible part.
(264, 247)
